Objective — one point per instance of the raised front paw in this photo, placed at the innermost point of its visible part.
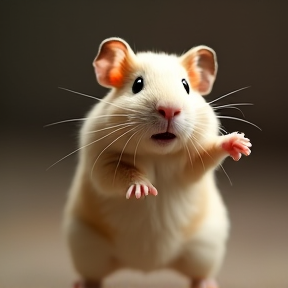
(236, 145)
(141, 189)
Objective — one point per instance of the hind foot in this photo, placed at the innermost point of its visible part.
(204, 284)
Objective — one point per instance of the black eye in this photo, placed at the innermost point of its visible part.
(138, 85)
(186, 86)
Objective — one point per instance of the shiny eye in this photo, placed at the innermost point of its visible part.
(186, 86)
(138, 85)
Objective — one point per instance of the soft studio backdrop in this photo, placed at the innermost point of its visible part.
(48, 44)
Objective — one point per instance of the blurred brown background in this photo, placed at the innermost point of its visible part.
(47, 44)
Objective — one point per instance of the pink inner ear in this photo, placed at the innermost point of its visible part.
(201, 65)
(205, 83)
(207, 70)
(101, 67)
(110, 64)
(206, 61)
(116, 78)
(109, 72)
(194, 77)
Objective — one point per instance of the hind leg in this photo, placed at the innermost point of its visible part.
(91, 253)
(203, 253)
(200, 262)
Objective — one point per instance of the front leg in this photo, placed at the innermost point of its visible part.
(234, 145)
(121, 180)
(211, 155)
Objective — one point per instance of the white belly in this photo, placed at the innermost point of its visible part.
(150, 230)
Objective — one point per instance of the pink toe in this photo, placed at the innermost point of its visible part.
(153, 191)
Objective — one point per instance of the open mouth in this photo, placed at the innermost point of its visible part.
(163, 136)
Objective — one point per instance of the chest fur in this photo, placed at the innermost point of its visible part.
(154, 229)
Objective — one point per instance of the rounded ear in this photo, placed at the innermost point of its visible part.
(113, 63)
(201, 65)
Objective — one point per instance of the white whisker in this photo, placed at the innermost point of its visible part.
(99, 99)
(231, 104)
(202, 129)
(73, 152)
(83, 119)
(121, 154)
(239, 119)
(111, 127)
(191, 140)
(226, 174)
(136, 148)
(235, 109)
(204, 150)
(199, 130)
(189, 154)
(109, 146)
(223, 130)
(219, 164)
(203, 133)
(235, 91)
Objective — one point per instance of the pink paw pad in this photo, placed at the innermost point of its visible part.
(236, 145)
(140, 189)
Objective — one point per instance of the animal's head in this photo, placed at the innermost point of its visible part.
(160, 93)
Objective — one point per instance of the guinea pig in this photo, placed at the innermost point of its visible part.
(144, 194)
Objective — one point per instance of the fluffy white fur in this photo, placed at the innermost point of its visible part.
(185, 226)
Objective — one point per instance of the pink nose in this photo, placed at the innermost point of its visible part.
(168, 112)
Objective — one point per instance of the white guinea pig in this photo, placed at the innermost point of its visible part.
(152, 135)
